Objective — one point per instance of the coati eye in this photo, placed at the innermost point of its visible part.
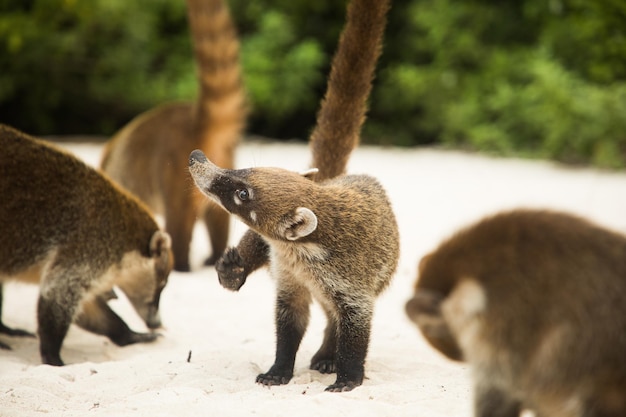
(243, 195)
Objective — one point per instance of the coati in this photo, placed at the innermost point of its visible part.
(70, 229)
(334, 239)
(535, 302)
(338, 126)
(149, 155)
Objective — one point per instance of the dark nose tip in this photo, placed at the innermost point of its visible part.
(197, 156)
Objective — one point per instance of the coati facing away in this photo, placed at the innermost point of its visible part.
(336, 239)
(535, 302)
(67, 227)
(149, 155)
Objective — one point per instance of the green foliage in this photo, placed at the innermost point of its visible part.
(515, 77)
(280, 73)
(531, 78)
(83, 64)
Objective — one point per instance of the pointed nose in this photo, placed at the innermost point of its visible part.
(197, 156)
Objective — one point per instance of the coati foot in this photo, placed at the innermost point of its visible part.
(230, 270)
(52, 359)
(134, 337)
(342, 386)
(273, 377)
(13, 332)
(324, 366)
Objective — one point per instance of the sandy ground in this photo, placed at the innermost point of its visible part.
(216, 342)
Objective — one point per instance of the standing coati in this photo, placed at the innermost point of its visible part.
(66, 226)
(148, 156)
(336, 238)
(535, 302)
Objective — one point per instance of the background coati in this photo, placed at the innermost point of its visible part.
(336, 239)
(148, 156)
(535, 302)
(66, 226)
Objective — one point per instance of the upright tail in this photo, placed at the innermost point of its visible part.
(221, 109)
(338, 126)
(343, 109)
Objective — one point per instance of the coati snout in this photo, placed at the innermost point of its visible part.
(272, 200)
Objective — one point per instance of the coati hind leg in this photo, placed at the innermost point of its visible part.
(355, 319)
(217, 221)
(324, 360)
(292, 318)
(96, 316)
(7, 330)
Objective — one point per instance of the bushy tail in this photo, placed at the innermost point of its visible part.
(343, 109)
(221, 109)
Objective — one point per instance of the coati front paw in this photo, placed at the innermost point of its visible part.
(230, 270)
(325, 366)
(13, 332)
(134, 337)
(274, 377)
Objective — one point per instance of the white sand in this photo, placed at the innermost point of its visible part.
(230, 336)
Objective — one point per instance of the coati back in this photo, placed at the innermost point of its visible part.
(335, 239)
(70, 229)
(148, 156)
(535, 302)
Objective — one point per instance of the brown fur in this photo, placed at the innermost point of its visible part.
(338, 128)
(148, 156)
(535, 302)
(335, 240)
(66, 226)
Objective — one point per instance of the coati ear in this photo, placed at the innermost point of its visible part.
(310, 173)
(160, 249)
(301, 224)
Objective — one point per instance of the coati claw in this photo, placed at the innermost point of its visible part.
(268, 379)
(324, 366)
(230, 270)
(342, 386)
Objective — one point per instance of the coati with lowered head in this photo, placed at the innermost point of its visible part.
(535, 302)
(334, 239)
(70, 229)
(148, 156)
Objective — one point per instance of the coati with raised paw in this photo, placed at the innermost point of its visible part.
(334, 239)
(338, 126)
(69, 228)
(149, 155)
(535, 302)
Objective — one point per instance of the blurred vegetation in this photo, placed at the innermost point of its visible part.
(517, 77)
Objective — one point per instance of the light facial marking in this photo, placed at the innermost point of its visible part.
(242, 195)
(253, 216)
